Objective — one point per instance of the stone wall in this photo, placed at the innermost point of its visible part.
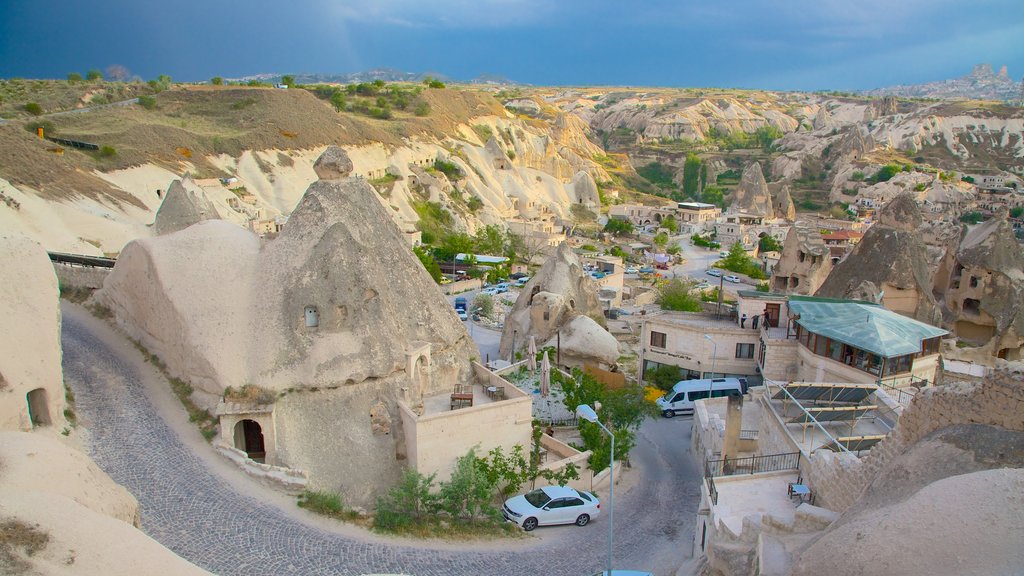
(70, 276)
(560, 455)
(771, 431)
(839, 479)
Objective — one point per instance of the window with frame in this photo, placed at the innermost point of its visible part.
(658, 339)
(744, 350)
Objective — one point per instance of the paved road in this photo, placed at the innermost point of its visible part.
(195, 509)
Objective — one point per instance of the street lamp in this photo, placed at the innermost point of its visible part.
(714, 352)
(587, 413)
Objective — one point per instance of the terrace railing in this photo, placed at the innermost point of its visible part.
(752, 464)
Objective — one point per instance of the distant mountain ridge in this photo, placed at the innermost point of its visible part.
(981, 84)
(385, 74)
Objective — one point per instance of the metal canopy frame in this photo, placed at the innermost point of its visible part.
(827, 393)
(852, 443)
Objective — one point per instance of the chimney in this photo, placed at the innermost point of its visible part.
(733, 425)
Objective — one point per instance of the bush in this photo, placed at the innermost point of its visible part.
(326, 504)
(216, 81)
(887, 172)
(422, 109)
(618, 227)
(107, 152)
(408, 503)
(768, 243)
(485, 304)
(675, 295)
(93, 75)
(33, 108)
(740, 262)
(664, 377)
(147, 102)
(74, 77)
(857, 176)
(46, 125)
(449, 169)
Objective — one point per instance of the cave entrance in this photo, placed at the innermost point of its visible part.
(249, 439)
(38, 407)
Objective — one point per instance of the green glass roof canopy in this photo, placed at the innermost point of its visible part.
(863, 325)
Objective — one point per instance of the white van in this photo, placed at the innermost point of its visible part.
(685, 393)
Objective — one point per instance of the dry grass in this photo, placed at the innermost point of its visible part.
(227, 120)
(250, 394)
(17, 541)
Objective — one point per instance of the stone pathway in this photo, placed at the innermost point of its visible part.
(198, 515)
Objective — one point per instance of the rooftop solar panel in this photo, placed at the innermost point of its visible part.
(850, 393)
(853, 443)
(832, 413)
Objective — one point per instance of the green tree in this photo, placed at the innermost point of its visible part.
(887, 172)
(216, 81)
(74, 77)
(427, 259)
(467, 494)
(660, 240)
(768, 243)
(740, 262)
(93, 75)
(691, 175)
(618, 227)
(664, 377)
(431, 82)
(713, 194)
(490, 240)
(338, 100)
(147, 102)
(288, 80)
(421, 109)
(766, 135)
(484, 303)
(454, 244)
(408, 503)
(1016, 211)
(670, 224)
(676, 295)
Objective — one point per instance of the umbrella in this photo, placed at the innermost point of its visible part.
(545, 375)
(531, 359)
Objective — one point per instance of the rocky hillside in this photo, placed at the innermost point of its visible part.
(261, 142)
(980, 84)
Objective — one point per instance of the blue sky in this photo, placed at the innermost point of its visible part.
(783, 44)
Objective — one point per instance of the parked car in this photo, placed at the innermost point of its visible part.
(518, 275)
(632, 270)
(647, 270)
(502, 288)
(551, 505)
(493, 291)
(685, 392)
(703, 285)
(597, 275)
(522, 280)
(713, 272)
(462, 314)
(732, 278)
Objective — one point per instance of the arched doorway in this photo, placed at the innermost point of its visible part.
(249, 439)
(38, 407)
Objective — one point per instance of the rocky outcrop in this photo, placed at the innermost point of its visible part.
(31, 380)
(782, 201)
(751, 195)
(805, 261)
(889, 265)
(823, 120)
(333, 164)
(331, 318)
(981, 283)
(585, 189)
(183, 207)
(558, 297)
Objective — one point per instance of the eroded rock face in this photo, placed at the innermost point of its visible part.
(333, 164)
(805, 261)
(751, 195)
(182, 208)
(981, 283)
(893, 259)
(782, 201)
(586, 189)
(336, 318)
(550, 302)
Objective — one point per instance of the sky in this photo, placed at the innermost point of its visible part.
(778, 45)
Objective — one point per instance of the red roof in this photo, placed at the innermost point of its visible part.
(842, 236)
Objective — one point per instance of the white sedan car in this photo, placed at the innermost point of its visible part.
(732, 278)
(551, 505)
(632, 270)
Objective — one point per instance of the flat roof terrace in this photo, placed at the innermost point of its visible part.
(747, 495)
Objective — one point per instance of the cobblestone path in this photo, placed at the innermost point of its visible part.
(195, 513)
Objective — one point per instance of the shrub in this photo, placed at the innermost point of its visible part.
(467, 494)
(216, 81)
(33, 108)
(886, 173)
(74, 77)
(857, 176)
(422, 109)
(407, 503)
(107, 152)
(93, 75)
(485, 304)
(339, 100)
(449, 169)
(675, 295)
(618, 227)
(147, 102)
(46, 125)
(664, 377)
